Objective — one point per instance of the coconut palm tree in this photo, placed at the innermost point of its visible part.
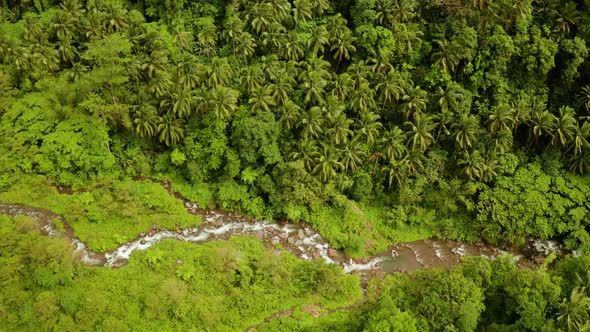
(261, 98)
(338, 127)
(223, 101)
(343, 46)
(574, 312)
(450, 97)
(170, 130)
(542, 123)
(368, 126)
(261, 16)
(289, 114)
(397, 172)
(342, 86)
(500, 119)
(311, 122)
(307, 152)
(320, 38)
(580, 138)
(565, 126)
(419, 136)
(471, 165)
(327, 163)
(465, 132)
(584, 98)
(392, 144)
(251, 77)
(445, 56)
(302, 11)
(391, 87)
(352, 155)
(146, 121)
(413, 102)
(362, 98)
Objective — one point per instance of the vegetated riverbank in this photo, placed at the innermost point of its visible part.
(300, 239)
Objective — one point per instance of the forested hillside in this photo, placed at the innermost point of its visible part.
(376, 121)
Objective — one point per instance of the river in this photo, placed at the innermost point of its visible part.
(298, 238)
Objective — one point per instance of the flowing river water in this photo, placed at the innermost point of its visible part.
(300, 239)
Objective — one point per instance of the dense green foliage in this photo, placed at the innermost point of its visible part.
(423, 110)
(376, 121)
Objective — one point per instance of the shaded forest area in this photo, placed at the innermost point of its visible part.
(376, 121)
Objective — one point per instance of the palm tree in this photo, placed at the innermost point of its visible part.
(282, 87)
(307, 152)
(397, 172)
(542, 123)
(291, 46)
(146, 121)
(343, 46)
(445, 56)
(281, 9)
(450, 97)
(319, 6)
(219, 72)
(419, 136)
(466, 132)
(392, 86)
(565, 126)
(368, 125)
(251, 77)
(179, 101)
(342, 86)
(289, 114)
(521, 112)
(580, 139)
(379, 60)
(502, 140)
(414, 102)
(338, 127)
(223, 101)
(489, 167)
(261, 16)
(500, 119)
(472, 165)
(362, 98)
(302, 11)
(170, 130)
(574, 313)
(567, 15)
(327, 163)
(442, 121)
(245, 45)
(320, 37)
(313, 87)
(584, 98)
(311, 123)
(261, 98)
(392, 144)
(353, 154)
(358, 74)
(580, 163)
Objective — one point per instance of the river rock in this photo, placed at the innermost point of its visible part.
(300, 234)
(282, 236)
(332, 252)
(260, 235)
(298, 243)
(291, 240)
(275, 241)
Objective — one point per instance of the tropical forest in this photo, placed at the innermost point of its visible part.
(295, 165)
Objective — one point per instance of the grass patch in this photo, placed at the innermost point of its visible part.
(108, 214)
